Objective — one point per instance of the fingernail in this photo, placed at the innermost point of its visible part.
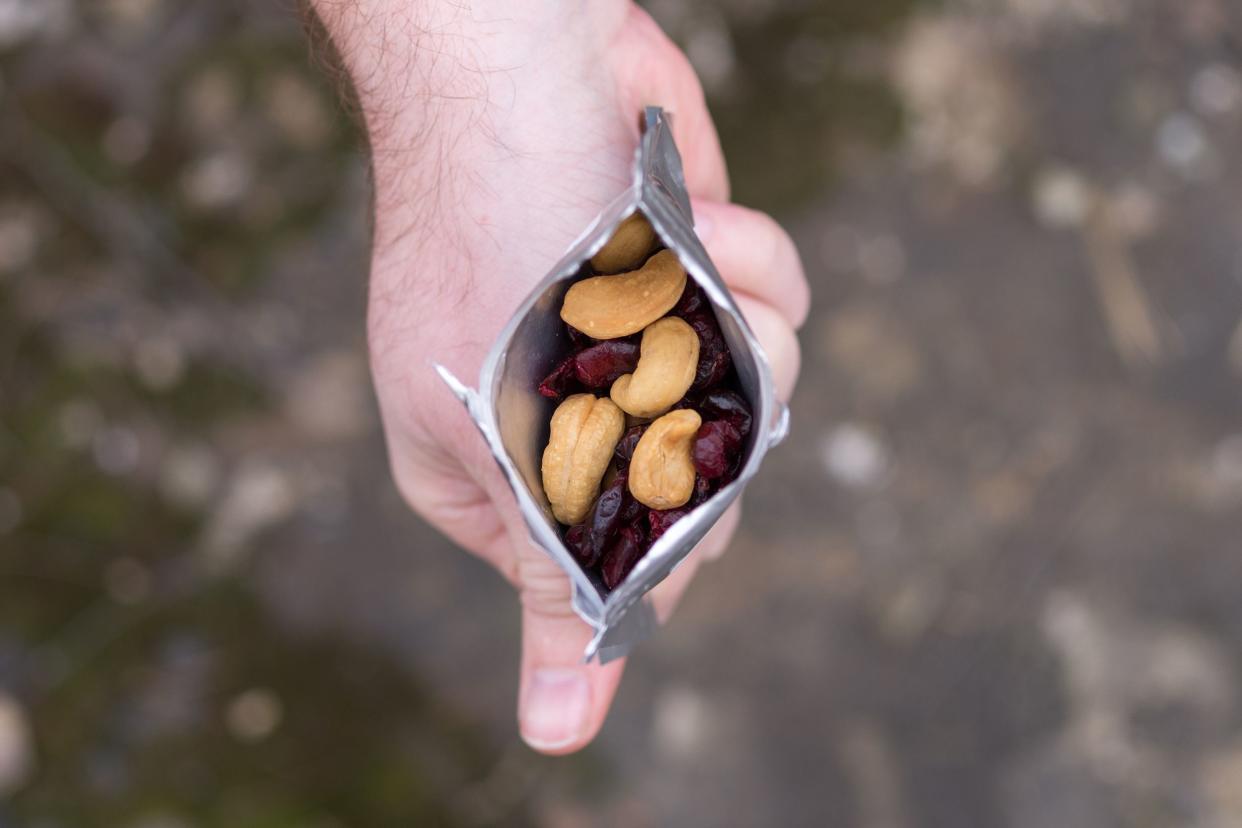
(703, 228)
(554, 709)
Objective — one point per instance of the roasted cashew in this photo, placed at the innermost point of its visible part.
(628, 247)
(607, 307)
(662, 471)
(667, 361)
(585, 430)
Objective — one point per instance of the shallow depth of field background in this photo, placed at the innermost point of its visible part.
(994, 578)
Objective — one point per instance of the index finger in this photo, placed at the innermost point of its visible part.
(755, 255)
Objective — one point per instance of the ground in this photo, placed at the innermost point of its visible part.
(991, 579)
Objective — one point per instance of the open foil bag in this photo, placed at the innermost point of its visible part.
(514, 419)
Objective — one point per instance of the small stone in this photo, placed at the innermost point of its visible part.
(10, 510)
(710, 50)
(254, 715)
(16, 745)
(211, 101)
(807, 60)
(295, 106)
(126, 141)
(1216, 90)
(79, 419)
(882, 258)
(160, 820)
(1062, 198)
(19, 239)
(259, 496)
(1135, 210)
(1226, 463)
(128, 581)
(877, 523)
(116, 450)
(680, 723)
(854, 456)
(840, 248)
(217, 181)
(189, 475)
(330, 398)
(1181, 142)
(160, 362)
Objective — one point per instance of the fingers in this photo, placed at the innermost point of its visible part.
(755, 255)
(668, 594)
(779, 342)
(562, 702)
(652, 70)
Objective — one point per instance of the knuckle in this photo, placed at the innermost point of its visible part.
(543, 588)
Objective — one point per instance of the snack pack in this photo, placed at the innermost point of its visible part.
(627, 402)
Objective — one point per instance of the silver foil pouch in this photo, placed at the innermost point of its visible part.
(514, 418)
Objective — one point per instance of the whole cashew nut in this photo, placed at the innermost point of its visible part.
(628, 247)
(585, 430)
(667, 362)
(607, 307)
(662, 471)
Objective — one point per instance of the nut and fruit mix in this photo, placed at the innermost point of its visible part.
(650, 422)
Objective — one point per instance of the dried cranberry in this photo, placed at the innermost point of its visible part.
(628, 442)
(692, 299)
(599, 365)
(578, 338)
(557, 384)
(729, 406)
(604, 519)
(575, 542)
(703, 490)
(714, 357)
(633, 511)
(626, 551)
(715, 447)
(661, 521)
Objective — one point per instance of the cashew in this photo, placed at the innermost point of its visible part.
(628, 247)
(607, 307)
(662, 471)
(585, 430)
(667, 362)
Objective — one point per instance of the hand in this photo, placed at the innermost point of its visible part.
(497, 134)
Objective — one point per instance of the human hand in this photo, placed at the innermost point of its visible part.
(497, 133)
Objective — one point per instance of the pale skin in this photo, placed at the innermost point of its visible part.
(498, 130)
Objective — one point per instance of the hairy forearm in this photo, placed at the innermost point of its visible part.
(456, 92)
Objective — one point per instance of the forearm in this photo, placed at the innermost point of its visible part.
(460, 100)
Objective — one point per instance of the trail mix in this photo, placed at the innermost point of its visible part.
(668, 429)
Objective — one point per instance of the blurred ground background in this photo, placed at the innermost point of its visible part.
(994, 579)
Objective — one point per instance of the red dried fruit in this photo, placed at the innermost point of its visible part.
(578, 338)
(575, 540)
(692, 299)
(716, 446)
(703, 490)
(729, 406)
(660, 521)
(557, 384)
(626, 551)
(714, 357)
(629, 440)
(633, 512)
(599, 365)
(604, 519)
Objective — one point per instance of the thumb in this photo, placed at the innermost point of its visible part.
(562, 701)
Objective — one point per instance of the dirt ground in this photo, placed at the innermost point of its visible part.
(992, 579)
